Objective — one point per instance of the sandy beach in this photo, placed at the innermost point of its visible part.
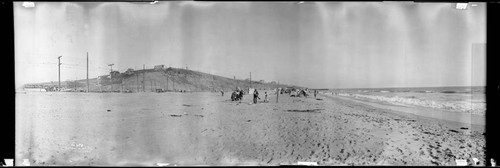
(139, 84)
(207, 129)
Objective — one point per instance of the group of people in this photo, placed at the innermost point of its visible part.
(256, 96)
(296, 92)
(237, 95)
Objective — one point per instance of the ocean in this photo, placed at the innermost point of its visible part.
(454, 99)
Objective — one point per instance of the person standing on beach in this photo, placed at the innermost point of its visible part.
(240, 96)
(315, 93)
(265, 98)
(222, 91)
(233, 95)
(255, 96)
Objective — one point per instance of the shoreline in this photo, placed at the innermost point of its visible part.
(452, 119)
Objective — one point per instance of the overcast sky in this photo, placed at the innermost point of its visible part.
(313, 44)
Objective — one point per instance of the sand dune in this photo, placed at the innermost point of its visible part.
(207, 129)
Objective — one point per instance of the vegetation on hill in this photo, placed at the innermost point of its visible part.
(167, 79)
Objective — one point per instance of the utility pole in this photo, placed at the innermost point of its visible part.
(111, 65)
(250, 79)
(59, 58)
(88, 85)
(277, 91)
(111, 75)
(163, 84)
(137, 83)
(143, 77)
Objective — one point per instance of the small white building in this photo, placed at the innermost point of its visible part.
(103, 77)
(159, 67)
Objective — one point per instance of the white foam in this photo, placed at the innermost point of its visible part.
(308, 163)
(459, 106)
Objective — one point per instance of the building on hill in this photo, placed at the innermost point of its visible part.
(103, 77)
(114, 74)
(101, 80)
(129, 71)
(159, 67)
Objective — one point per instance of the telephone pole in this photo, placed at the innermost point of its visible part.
(111, 75)
(250, 79)
(277, 91)
(59, 58)
(88, 86)
(143, 77)
(163, 84)
(137, 83)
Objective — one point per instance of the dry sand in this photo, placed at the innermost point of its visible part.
(207, 129)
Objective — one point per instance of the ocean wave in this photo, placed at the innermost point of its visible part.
(459, 106)
(447, 91)
(424, 91)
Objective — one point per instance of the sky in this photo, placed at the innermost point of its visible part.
(311, 44)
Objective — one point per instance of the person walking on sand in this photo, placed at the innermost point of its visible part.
(255, 96)
(222, 91)
(315, 92)
(233, 95)
(240, 96)
(265, 97)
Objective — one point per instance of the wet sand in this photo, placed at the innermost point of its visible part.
(448, 117)
(207, 129)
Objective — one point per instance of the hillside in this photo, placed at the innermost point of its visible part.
(167, 79)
